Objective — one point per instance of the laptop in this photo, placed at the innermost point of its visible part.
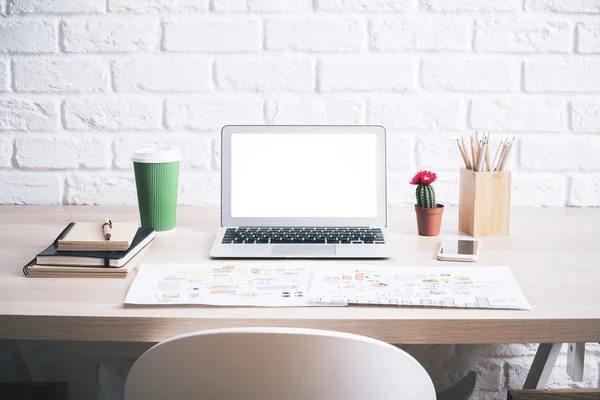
(302, 192)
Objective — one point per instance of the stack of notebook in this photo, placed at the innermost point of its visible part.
(81, 250)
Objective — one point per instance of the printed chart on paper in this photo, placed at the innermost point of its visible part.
(223, 284)
(471, 287)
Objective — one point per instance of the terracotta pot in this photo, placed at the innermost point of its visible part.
(429, 220)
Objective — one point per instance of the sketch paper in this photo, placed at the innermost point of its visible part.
(471, 287)
(223, 284)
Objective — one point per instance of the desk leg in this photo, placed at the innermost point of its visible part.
(575, 358)
(542, 365)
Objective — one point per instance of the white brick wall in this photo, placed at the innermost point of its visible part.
(118, 34)
(223, 34)
(23, 36)
(112, 113)
(43, 75)
(421, 33)
(156, 6)
(306, 34)
(162, 74)
(366, 73)
(588, 37)
(526, 34)
(4, 78)
(83, 83)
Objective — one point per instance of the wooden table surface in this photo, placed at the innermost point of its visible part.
(554, 255)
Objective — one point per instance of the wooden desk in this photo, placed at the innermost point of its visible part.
(553, 253)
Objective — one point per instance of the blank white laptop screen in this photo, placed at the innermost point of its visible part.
(303, 175)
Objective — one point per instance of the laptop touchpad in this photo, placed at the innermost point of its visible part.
(308, 250)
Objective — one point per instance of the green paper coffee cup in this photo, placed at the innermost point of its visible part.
(157, 182)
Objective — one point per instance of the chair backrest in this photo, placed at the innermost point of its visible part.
(274, 364)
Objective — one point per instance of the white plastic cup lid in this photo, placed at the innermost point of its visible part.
(157, 154)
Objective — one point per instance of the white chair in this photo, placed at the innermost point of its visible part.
(276, 363)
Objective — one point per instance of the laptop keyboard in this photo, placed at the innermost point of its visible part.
(304, 235)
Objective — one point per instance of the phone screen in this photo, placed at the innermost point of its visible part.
(457, 246)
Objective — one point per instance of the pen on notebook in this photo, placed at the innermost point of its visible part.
(106, 227)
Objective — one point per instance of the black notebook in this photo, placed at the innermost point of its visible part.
(115, 259)
(71, 271)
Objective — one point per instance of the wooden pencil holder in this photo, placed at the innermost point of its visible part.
(484, 203)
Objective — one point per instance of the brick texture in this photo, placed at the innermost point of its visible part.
(97, 188)
(588, 37)
(162, 74)
(585, 191)
(56, 6)
(113, 114)
(343, 35)
(24, 36)
(366, 5)
(62, 152)
(263, 5)
(4, 78)
(213, 35)
(109, 76)
(586, 116)
(472, 5)
(100, 35)
(566, 6)
(84, 83)
(196, 148)
(571, 75)
(428, 33)
(523, 35)
(376, 72)
(544, 190)
(496, 75)
(210, 113)
(556, 153)
(425, 114)
(21, 188)
(265, 74)
(519, 115)
(158, 6)
(25, 115)
(6, 149)
(316, 110)
(60, 75)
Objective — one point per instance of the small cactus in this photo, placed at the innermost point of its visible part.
(425, 193)
(425, 196)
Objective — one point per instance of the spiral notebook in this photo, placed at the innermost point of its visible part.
(33, 270)
(51, 262)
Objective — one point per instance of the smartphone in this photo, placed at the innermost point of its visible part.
(459, 249)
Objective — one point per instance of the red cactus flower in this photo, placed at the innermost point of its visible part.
(423, 178)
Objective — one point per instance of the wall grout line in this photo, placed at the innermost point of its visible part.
(576, 38)
(11, 74)
(522, 78)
